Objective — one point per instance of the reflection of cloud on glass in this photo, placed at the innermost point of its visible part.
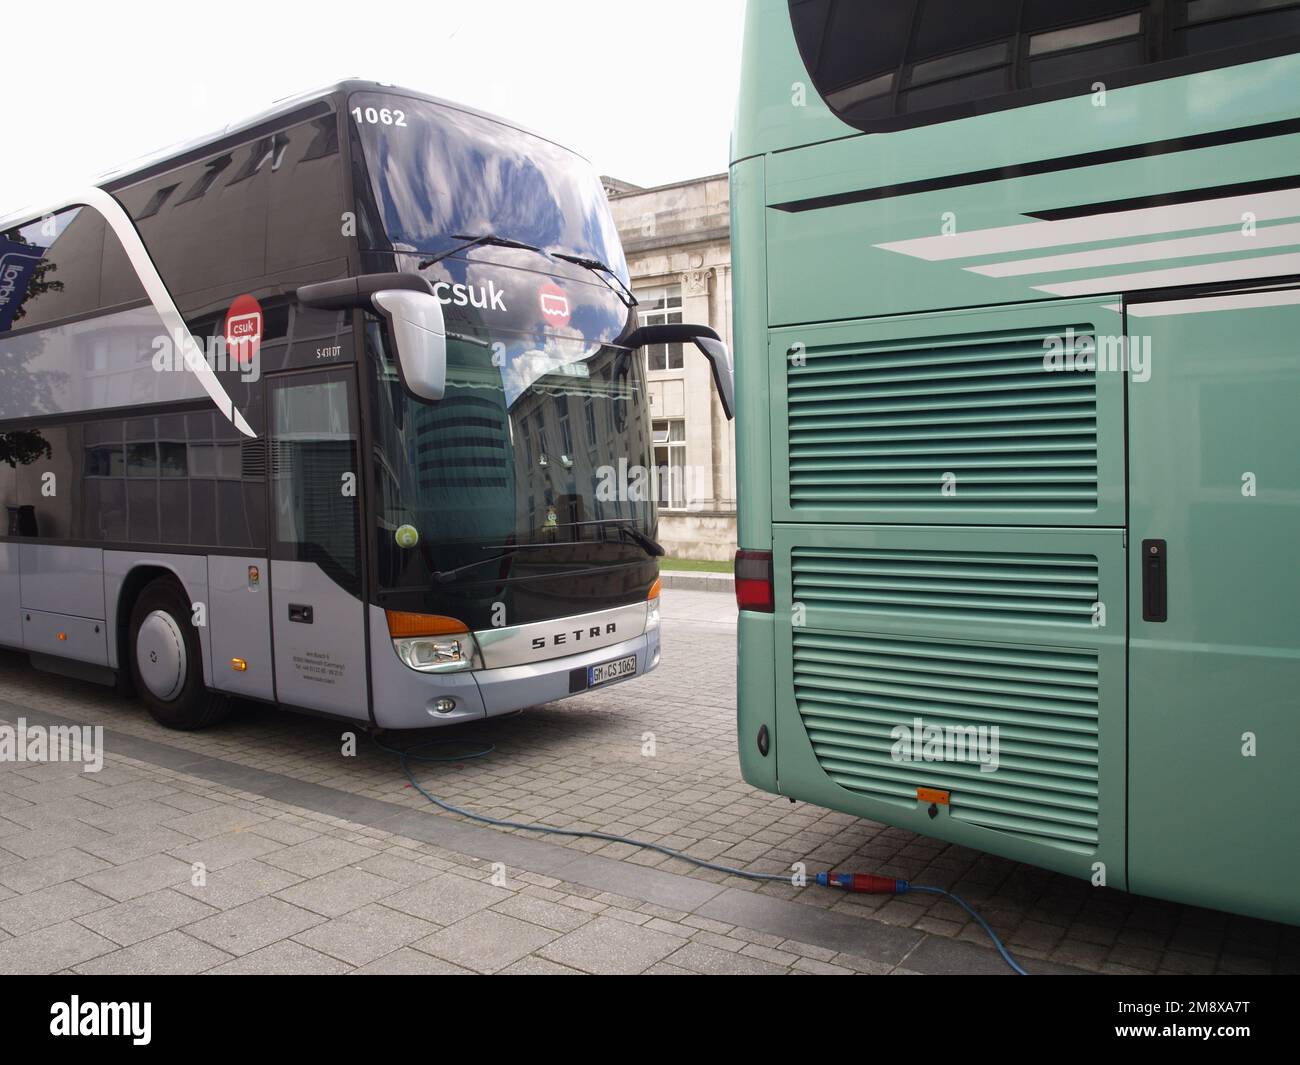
(451, 172)
(407, 258)
(525, 366)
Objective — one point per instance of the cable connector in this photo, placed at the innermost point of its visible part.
(864, 883)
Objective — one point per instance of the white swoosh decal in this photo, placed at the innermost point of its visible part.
(1233, 241)
(1146, 221)
(1236, 270)
(161, 299)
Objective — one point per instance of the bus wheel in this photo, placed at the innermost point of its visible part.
(166, 661)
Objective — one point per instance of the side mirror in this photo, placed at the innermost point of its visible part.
(414, 316)
(709, 344)
(421, 337)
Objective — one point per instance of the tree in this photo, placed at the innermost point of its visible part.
(25, 391)
(40, 281)
(22, 447)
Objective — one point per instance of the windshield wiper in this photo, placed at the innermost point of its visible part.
(449, 575)
(625, 529)
(653, 548)
(446, 576)
(484, 239)
(628, 531)
(603, 272)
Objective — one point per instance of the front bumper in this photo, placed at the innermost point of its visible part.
(404, 698)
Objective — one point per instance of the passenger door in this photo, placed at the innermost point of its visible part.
(316, 584)
(1214, 659)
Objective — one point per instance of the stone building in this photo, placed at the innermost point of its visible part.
(678, 243)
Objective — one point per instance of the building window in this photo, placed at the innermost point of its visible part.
(589, 413)
(566, 437)
(662, 306)
(670, 462)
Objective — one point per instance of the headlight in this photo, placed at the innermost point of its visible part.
(432, 643)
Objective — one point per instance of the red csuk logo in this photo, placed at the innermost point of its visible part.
(243, 331)
(554, 304)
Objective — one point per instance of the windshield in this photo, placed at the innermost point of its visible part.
(511, 499)
(436, 173)
(509, 502)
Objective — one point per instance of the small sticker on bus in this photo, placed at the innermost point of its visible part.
(244, 331)
(555, 305)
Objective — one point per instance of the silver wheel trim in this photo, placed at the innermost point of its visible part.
(160, 655)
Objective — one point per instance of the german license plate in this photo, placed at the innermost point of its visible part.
(608, 671)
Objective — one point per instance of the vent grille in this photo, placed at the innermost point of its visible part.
(853, 691)
(991, 586)
(252, 460)
(891, 424)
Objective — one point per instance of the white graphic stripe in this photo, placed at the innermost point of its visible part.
(1183, 247)
(161, 299)
(1237, 270)
(1005, 240)
(1238, 301)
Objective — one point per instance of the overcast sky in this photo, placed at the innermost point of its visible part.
(643, 88)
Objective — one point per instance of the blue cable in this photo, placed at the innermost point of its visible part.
(982, 923)
(410, 754)
(573, 833)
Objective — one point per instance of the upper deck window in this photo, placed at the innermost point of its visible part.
(885, 64)
(60, 267)
(435, 175)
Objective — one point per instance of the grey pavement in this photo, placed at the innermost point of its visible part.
(268, 845)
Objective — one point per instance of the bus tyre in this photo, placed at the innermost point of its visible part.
(166, 660)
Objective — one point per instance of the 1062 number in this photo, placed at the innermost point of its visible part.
(379, 116)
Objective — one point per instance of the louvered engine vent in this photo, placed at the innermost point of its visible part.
(856, 692)
(892, 424)
(982, 586)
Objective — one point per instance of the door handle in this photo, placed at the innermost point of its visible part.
(301, 613)
(1155, 587)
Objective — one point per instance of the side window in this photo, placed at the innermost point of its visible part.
(49, 269)
(38, 482)
(306, 199)
(205, 223)
(63, 266)
(187, 479)
(913, 61)
(223, 225)
(314, 466)
(119, 284)
(1207, 25)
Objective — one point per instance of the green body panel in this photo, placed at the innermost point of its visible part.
(749, 333)
(847, 238)
(756, 700)
(914, 311)
(1207, 824)
(756, 696)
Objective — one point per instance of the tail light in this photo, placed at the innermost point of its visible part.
(754, 581)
